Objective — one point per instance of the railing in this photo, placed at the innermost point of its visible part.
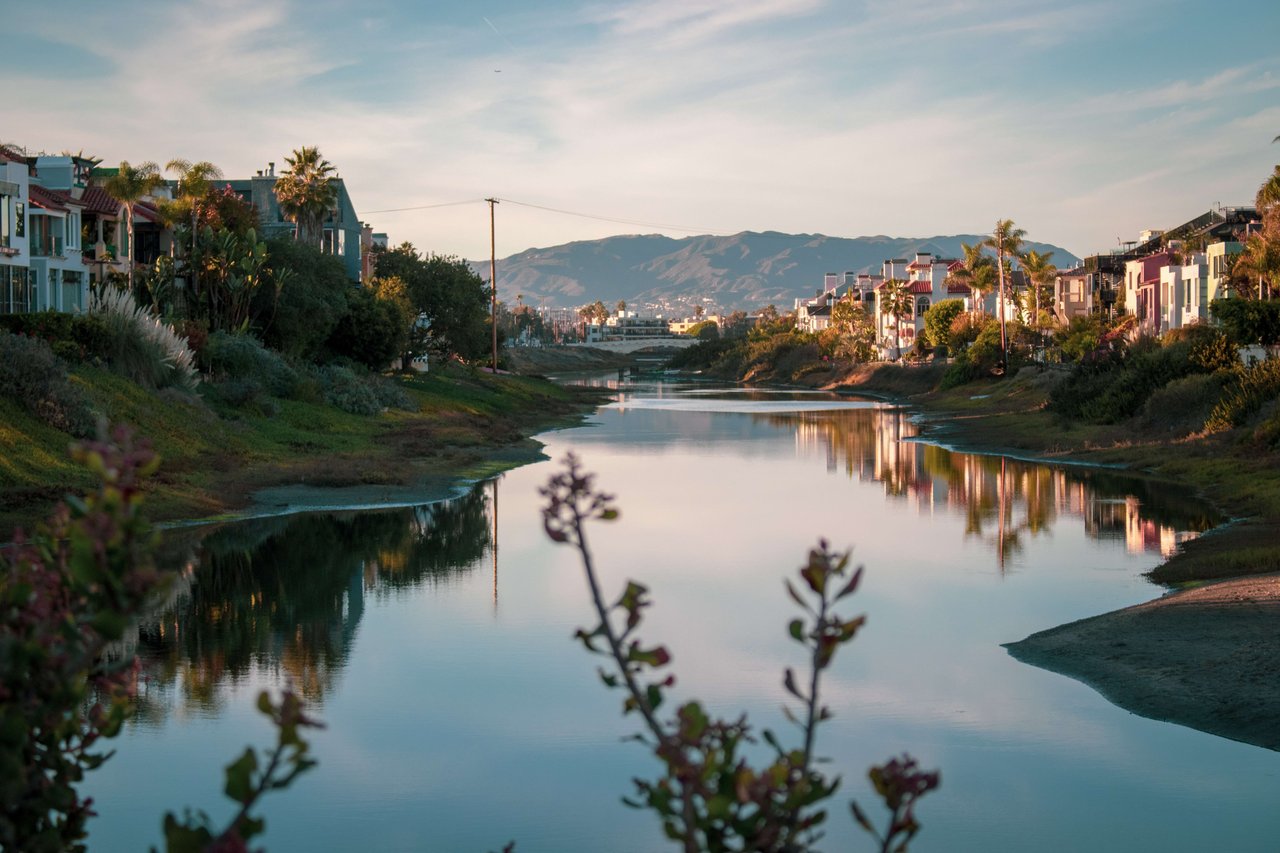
(46, 248)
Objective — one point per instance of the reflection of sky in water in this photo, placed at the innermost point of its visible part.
(458, 722)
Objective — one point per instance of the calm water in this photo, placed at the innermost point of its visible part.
(461, 715)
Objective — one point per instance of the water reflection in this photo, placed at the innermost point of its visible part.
(286, 595)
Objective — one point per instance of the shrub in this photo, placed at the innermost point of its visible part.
(31, 374)
(345, 390)
(964, 330)
(73, 337)
(939, 318)
(243, 394)
(1253, 387)
(242, 357)
(143, 347)
(371, 332)
(1184, 404)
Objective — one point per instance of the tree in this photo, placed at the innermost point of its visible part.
(977, 272)
(129, 185)
(895, 301)
(938, 319)
(622, 306)
(298, 316)
(451, 301)
(1269, 193)
(1007, 241)
(1041, 271)
(307, 192)
(371, 332)
(1256, 270)
(856, 328)
(193, 189)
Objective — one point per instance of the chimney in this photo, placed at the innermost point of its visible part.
(271, 169)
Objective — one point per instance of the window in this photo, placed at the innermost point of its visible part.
(72, 299)
(922, 305)
(6, 219)
(20, 219)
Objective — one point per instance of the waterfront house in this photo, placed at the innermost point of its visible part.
(15, 254)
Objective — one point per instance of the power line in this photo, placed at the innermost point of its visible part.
(427, 206)
(641, 223)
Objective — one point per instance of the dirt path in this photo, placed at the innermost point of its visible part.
(1207, 658)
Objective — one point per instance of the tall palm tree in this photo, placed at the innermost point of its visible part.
(1259, 258)
(1041, 271)
(307, 191)
(895, 301)
(1269, 193)
(129, 185)
(975, 273)
(1007, 241)
(193, 185)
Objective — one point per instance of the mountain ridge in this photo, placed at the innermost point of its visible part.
(654, 273)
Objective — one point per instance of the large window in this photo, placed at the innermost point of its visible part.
(6, 220)
(72, 295)
(15, 293)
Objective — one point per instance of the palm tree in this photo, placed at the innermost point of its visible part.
(895, 301)
(1260, 260)
(307, 191)
(1007, 241)
(1269, 192)
(193, 185)
(129, 185)
(975, 273)
(1041, 271)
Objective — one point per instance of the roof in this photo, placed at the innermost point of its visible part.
(147, 211)
(46, 200)
(52, 199)
(955, 287)
(10, 156)
(96, 200)
(921, 287)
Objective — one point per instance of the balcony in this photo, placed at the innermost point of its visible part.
(47, 247)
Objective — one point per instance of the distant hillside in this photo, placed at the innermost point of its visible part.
(746, 271)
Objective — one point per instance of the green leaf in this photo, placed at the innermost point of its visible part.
(240, 772)
(797, 629)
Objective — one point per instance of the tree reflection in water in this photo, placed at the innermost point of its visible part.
(1002, 500)
(285, 595)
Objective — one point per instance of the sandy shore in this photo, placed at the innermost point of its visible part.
(1208, 658)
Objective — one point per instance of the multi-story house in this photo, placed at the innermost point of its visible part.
(15, 254)
(57, 278)
(926, 278)
(342, 229)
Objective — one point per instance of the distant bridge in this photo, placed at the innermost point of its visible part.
(635, 345)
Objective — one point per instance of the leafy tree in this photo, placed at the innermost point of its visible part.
(938, 319)
(452, 300)
(707, 330)
(895, 301)
(307, 192)
(622, 305)
(193, 189)
(393, 291)
(1269, 193)
(1256, 270)
(1080, 337)
(129, 185)
(297, 317)
(371, 332)
(856, 328)
(1248, 321)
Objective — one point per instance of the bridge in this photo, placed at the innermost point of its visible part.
(640, 345)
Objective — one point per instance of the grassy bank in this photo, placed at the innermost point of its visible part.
(214, 457)
(1229, 468)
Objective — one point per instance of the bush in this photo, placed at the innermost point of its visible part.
(1252, 389)
(371, 332)
(939, 319)
(142, 347)
(298, 320)
(964, 331)
(31, 374)
(345, 390)
(1184, 404)
(73, 337)
(243, 357)
(1117, 387)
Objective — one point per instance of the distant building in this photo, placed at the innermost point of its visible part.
(342, 229)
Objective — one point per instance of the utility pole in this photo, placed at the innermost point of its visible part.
(493, 282)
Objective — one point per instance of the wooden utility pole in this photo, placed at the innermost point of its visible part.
(493, 282)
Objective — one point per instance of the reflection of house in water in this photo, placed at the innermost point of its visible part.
(1143, 534)
(1000, 499)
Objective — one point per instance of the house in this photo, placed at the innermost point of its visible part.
(1073, 294)
(15, 254)
(342, 234)
(58, 280)
(927, 279)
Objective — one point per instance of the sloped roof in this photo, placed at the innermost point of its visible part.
(921, 287)
(52, 199)
(96, 200)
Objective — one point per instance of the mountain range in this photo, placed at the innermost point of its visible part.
(654, 274)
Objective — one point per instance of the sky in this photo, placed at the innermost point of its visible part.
(1084, 122)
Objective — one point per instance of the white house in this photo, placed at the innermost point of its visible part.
(15, 250)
